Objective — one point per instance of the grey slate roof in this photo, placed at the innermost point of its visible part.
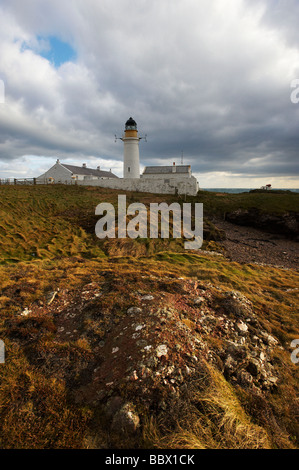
(166, 169)
(80, 170)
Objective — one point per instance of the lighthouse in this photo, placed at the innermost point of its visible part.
(131, 150)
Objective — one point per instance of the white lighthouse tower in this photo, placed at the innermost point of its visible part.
(131, 150)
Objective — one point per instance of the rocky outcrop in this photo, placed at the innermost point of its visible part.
(146, 353)
(161, 342)
(285, 224)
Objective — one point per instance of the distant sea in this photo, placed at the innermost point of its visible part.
(243, 190)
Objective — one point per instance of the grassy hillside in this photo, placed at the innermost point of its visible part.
(269, 202)
(48, 222)
(82, 321)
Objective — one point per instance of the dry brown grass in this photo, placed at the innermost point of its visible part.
(36, 409)
(215, 419)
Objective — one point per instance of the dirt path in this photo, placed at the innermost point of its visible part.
(250, 245)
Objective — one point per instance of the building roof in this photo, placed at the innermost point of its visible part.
(166, 169)
(81, 170)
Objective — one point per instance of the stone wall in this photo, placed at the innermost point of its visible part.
(183, 185)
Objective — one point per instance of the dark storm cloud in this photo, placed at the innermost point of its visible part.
(206, 78)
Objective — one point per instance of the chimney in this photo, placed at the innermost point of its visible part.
(98, 168)
(84, 165)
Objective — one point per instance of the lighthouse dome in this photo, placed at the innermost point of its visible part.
(131, 124)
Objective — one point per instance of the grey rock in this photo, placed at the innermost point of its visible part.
(237, 351)
(161, 350)
(230, 364)
(126, 420)
(244, 378)
(238, 305)
(134, 310)
(147, 297)
(268, 339)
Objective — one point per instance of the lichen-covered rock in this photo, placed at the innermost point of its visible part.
(238, 305)
(134, 310)
(242, 327)
(268, 339)
(147, 297)
(126, 420)
(230, 365)
(161, 350)
(244, 378)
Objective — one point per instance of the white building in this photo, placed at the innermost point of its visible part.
(173, 179)
(63, 173)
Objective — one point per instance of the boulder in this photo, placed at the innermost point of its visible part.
(125, 420)
(134, 310)
(238, 305)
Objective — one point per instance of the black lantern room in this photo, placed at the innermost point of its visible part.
(131, 124)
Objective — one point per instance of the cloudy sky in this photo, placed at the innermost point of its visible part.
(209, 79)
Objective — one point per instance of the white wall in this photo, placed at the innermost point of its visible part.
(168, 185)
(131, 157)
(176, 176)
(187, 186)
(58, 172)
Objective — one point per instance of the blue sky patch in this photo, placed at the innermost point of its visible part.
(57, 51)
(53, 49)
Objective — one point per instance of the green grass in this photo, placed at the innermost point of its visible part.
(48, 222)
(221, 203)
(48, 242)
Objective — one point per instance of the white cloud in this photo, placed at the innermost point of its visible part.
(209, 77)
